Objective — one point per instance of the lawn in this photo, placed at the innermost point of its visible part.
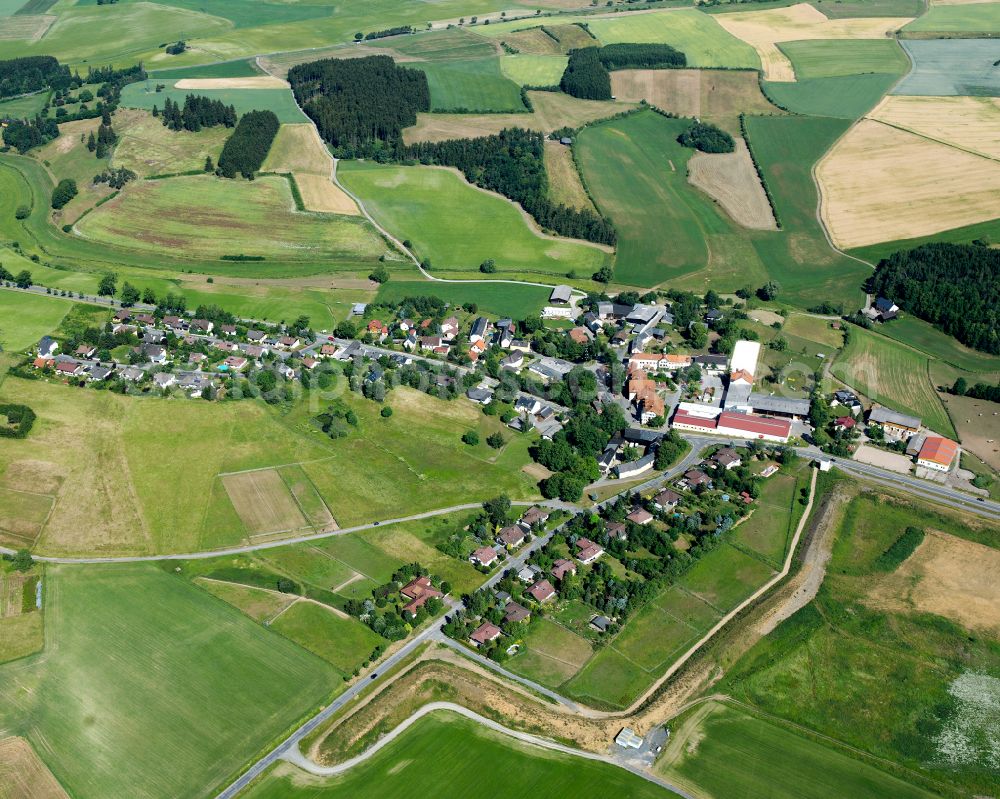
(445, 749)
(144, 95)
(503, 299)
(183, 665)
(724, 751)
(258, 603)
(526, 69)
(769, 529)
(892, 374)
(609, 681)
(952, 19)
(831, 58)
(476, 85)
(25, 318)
(344, 642)
(457, 226)
(725, 577)
(207, 217)
(551, 655)
(814, 329)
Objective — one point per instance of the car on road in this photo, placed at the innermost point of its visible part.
(373, 676)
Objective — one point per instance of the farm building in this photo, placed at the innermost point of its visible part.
(896, 425)
(937, 453)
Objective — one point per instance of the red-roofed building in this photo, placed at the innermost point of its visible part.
(844, 423)
(587, 550)
(683, 420)
(418, 591)
(43, 363)
(511, 537)
(937, 453)
(562, 567)
(745, 425)
(542, 591)
(485, 633)
(640, 516)
(484, 556)
(69, 368)
(515, 613)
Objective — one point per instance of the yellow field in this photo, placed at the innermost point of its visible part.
(731, 180)
(552, 111)
(263, 502)
(879, 184)
(299, 150)
(26, 26)
(255, 82)
(148, 148)
(764, 29)
(970, 123)
(23, 775)
(703, 93)
(564, 180)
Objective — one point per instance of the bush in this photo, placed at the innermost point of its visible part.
(386, 412)
(901, 549)
(20, 419)
(22, 212)
(63, 192)
(471, 438)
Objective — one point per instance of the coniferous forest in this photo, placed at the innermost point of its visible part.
(955, 287)
(197, 112)
(31, 74)
(360, 103)
(587, 71)
(244, 152)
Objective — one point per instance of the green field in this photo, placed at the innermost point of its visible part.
(476, 85)
(446, 750)
(846, 97)
(533, 70)
(963, 235)
(502, 299)
(207, 217)
(241, 68)
(135, 656)
(836, 9)
(952, 19)
(769, 530)
(892, 374)
(25, 318)
(838, 57)
(668, 231)
(725, 577)
(458, 226)
(874, 679)
(344, 642)
(254, 13)
(939, 345)
(454, 44)
(721, 750)
(144, 95)
(23, 107)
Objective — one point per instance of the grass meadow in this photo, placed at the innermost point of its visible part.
(503, 299)
(842, 97)
(135, 655)
(832, 58)
(24, 107)
(870, 674)
(148, 148)
(726, 751)
(894, 375)
(445, 749)
(473, 86)
(240, 68)
(457, 226)
(25, 318)
(922, 335)
(208, 217)
(144, 96)
(344, 642)
(526, 69)
(952, 19)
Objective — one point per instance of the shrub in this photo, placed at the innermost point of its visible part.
(63, 192)
(707, 138)
(20, 419)
(471, 438)
(22, 212)
(900, 550)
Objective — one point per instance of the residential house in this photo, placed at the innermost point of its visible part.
(235, 363)
(309, 363)
(630, 469)
(418, 591)
(484, 556)
(542, 591)
(132, 374)
(617, 531)
(515, 613)
(666, 500)
(527, 404)
(485, 633)
(713, 364)
(511, 537)
(449, 327)
(256, 336)
(847, 399)
(328, 350)
(727, 458)
(154, 353)
(640, 516)
(562, 567)
(288, 342)
(534, 516)
(99, 373)
(520, 345)
(253, 351)
(47, 346)
(145, 319)
(164, 379)
(85, 351)
(202, 326)
(843, 423)
(69, 368)
(429, 342)
(514, 361)
(42, 363)
(587, 551)
(478, 348)
(695, 477)
(228, 330)
(600, 623)
(480, 394)
(714, 315)
(579, 335)
(480, 329)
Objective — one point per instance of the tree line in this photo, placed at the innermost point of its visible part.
(360, 103)
(32, 74)
(197, 112)
(955, 287)
(587, 73)
(245, 150)
(511, 163)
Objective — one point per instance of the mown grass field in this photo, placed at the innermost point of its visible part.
(503, 299)
(473, 85)
(830, 58)
(725, 751)
(23, 107)
(962, 18)
(144, 95)
(241, 68)
(25, 318)
(444, 749)
(894, 375)
(345, 643)
(938, 345)
(769, 529)
(841, 97)
(526, 69)
(457, 226)
(183, 664)
(209, 217)
(851, 667)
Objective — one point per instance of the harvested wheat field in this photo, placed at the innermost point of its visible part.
(732, 181)
(255, 82)
(949, 576)
(298, 150)
(565, 186)
(553, 110)
(534, 41)
(25, 26)
(879, 184)
(764, 29)
(23, 775)
(969, 123)
(703, 93)
(263, 502)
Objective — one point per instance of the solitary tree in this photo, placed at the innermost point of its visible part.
(108, 285)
